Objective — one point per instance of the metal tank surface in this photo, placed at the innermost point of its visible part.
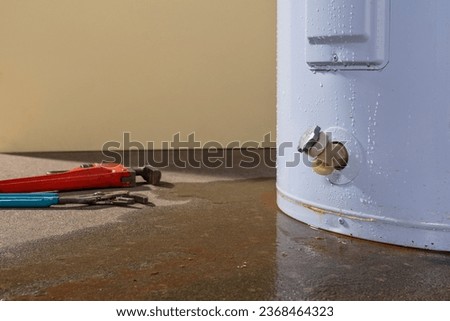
(363, 131)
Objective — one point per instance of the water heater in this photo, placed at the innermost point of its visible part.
(363, 131)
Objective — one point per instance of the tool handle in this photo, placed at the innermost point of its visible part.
(98, 176)
(28, 200)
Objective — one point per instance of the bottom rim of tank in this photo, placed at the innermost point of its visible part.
(372, 229)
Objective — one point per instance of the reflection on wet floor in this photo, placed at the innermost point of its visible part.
(317, 265)
(228, 242)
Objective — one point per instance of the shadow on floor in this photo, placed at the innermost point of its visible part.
(235, 163)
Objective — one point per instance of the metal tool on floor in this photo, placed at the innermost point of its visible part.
(42, 200)
(87, 176)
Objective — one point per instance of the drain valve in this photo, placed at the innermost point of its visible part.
(327, 155)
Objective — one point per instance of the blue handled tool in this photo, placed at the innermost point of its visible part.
(29, 200)
(42, 200)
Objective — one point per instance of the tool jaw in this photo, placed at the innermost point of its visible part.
(150, 175)
(100, 198)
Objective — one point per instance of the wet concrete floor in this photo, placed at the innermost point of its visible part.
(220, 240)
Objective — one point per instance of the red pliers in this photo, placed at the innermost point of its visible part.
(87, 176)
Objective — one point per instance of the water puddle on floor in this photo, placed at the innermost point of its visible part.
(219, 245)
(228, 242)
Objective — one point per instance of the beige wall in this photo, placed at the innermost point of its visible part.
(77, 73)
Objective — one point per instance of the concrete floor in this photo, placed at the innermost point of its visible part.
(215, 234)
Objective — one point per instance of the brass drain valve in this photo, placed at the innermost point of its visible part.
(327, 155)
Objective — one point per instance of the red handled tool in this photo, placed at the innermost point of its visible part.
(88, 176)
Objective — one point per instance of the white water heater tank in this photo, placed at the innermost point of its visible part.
(364, 118)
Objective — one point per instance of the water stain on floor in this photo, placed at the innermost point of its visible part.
(228, 242)
(219, 246)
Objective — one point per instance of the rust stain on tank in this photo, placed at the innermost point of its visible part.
(315, 209)
(322, 211)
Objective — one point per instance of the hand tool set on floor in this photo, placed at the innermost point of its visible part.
(24, 192)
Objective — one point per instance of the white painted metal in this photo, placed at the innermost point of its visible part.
(375, 74)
